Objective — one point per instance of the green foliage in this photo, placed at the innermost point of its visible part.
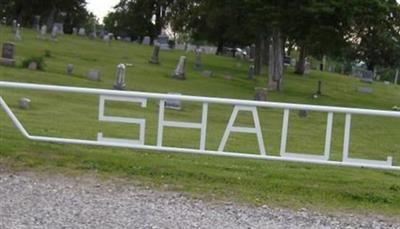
(39, 60)
(72, 12)
(47, 53)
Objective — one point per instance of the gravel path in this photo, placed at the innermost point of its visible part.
(32, 201)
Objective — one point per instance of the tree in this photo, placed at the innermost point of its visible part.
(374, 33)
(71, 12)
(134, 18)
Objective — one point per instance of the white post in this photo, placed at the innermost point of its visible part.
(396, 78)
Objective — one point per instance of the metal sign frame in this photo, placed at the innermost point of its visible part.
(239, 105)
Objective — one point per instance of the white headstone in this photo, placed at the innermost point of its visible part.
(82, 32)
(179, 72)
(18, 36)
(43, 32)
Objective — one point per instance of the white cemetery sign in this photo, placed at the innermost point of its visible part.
(142, 98)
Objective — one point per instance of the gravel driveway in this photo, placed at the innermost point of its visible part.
(33, 201)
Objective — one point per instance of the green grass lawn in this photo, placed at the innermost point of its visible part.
(291, 185)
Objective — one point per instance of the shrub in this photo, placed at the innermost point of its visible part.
(47, 53)
(38, 59)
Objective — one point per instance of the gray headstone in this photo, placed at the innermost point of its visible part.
(33, 66)
(198, 63)
(163, 42)
(24, 103)
(120, 79)
(207, 73)
(94, 75)
(8, 54)
(75, 31)
(36, 23)
(173, 104)
(70, 69)
(228, 76)
(303, 113)
(154, 57)
(179, 72)
(251, 72)
(54, 33)
(146, 40)
(261, 94)
(365, 90)
(60, 27)
(14, 26)
(367, 76)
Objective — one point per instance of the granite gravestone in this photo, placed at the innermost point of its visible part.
(70, 69)
(120, 79)
(163, 42)
(365, 90)
(75, 31)
(14, 26)
(173, 104)
(36, 23)
(251, 72)
(198, 63)
(367, 76)
(33, 66)
(154, 57)
(146, 40)
(24, 103)
(54, 33)
(207, 73)
(8, 54)
(60, 27)
(260, 94)
(179, 72)
(94, 75)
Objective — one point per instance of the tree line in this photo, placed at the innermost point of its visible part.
(362, 30)
(72, 13)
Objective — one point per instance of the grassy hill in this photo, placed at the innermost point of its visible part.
(256, 182)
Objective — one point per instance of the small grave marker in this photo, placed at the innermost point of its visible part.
(260, 94)
(365, 90)
(173, 104)
(24, 103)
(70, 69)
(207, 73)
(33, 66)
(94, 75)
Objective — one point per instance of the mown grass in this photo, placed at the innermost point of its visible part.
(279, 184)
